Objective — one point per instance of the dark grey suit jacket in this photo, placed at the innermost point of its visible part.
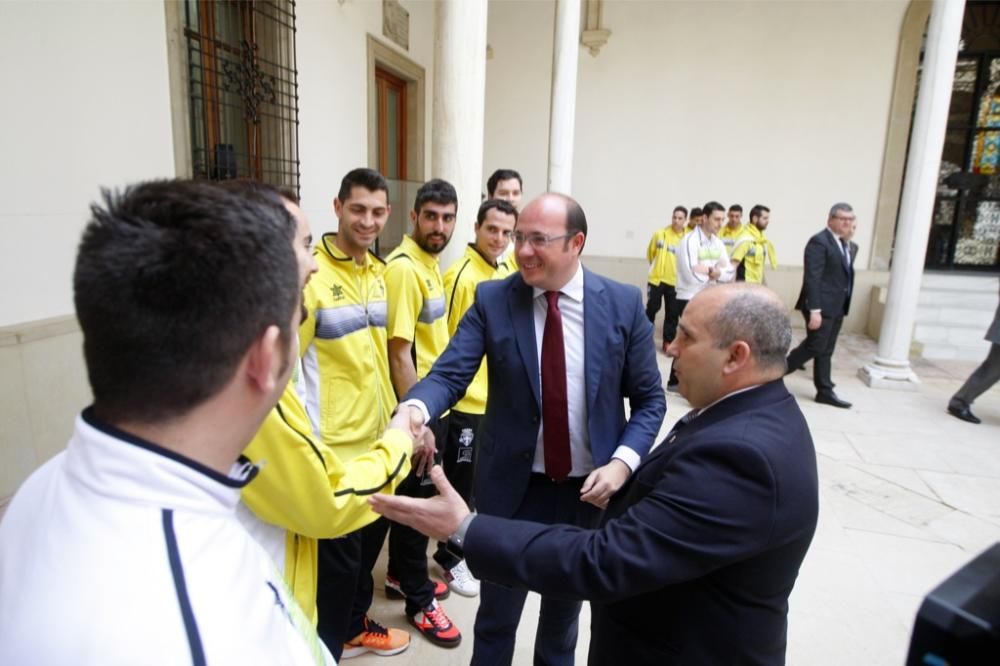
(827, 282)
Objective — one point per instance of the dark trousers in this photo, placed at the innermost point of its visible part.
(679, 306)
(408, 547)
(818, 346)
(655, 293)
(500, 607)
(344, 586)
(458, 460)
(981, 379)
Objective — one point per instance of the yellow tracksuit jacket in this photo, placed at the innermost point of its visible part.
(305, 488)
(460, 282)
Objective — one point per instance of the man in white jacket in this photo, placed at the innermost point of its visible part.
(124, 548)
(701, 260)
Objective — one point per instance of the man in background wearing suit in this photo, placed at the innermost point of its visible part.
(981, 379)
(699, 550)
(563, 346)
(827, 283)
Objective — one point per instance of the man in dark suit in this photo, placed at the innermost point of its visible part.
(981, 379)
(563, 347)
(827, 284)
(699, 550)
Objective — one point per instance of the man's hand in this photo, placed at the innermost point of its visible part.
(410, 420)
(714, 273)
(815, 321)
(604, 482)
(437, 517)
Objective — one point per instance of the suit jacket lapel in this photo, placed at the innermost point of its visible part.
(838, 251)
(522, 317)
(595, 333)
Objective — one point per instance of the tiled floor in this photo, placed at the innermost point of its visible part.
(907, 495)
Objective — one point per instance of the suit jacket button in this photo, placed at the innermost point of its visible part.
(527, 456)
(534, 419)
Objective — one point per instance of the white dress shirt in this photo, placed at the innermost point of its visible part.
(571, 305)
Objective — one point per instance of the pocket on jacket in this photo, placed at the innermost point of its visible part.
(340, 407)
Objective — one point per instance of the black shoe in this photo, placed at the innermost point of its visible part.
(963, 412)
(832, 399)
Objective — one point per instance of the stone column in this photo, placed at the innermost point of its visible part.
(459, 109)
(891, 366)
(562, 118)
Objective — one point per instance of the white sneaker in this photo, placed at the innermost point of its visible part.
(461, 580)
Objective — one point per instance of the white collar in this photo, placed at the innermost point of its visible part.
(705, 238)
(127, 468)
(573, 288)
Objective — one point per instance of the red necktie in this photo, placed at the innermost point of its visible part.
(555, 411)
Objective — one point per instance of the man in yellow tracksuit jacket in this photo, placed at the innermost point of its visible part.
(753, 249)
(418, 333)
(662, 281)
(349, 399)
(733, 228)
(481, 261)
(305, 490)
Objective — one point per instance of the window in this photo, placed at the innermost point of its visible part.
(243, 90)
(391, 99)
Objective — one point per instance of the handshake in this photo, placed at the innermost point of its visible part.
(410, 420)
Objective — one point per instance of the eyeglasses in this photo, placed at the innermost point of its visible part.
(538, 240)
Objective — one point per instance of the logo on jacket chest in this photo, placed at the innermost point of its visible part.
(465, 446)
(337, 292)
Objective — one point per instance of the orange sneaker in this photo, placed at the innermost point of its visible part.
(433, 623)
(375, 638)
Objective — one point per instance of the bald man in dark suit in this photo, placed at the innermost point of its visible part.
(697, 553)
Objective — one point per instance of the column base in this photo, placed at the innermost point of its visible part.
(893, 375)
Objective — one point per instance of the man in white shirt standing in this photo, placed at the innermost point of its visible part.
(701, 260)
(125, 548)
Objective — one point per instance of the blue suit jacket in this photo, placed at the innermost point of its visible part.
(619, 360)
(697, 553)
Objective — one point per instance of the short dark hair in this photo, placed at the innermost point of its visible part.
(273, 194)
(174, 280)
(696, 212)
(576, 220)
(681, 209)
(840, 208)
(435, 191)
(711, 207)
(755, 316)
(370, 179)
(504, 207)
(736, 207)
(501, 174)
(757, 210)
